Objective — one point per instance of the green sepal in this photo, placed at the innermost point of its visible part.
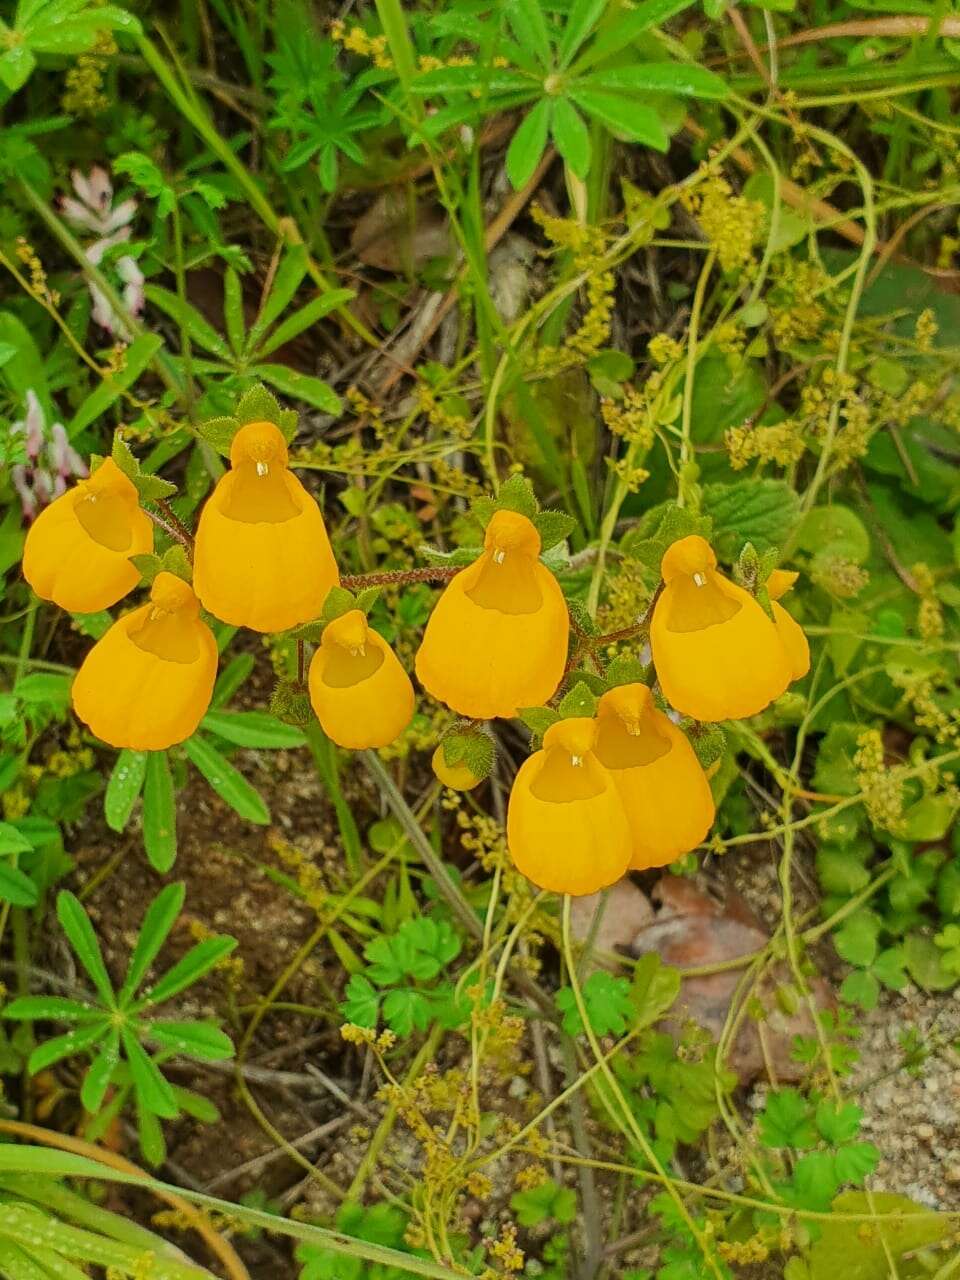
(338, 602)
(538, 719)
(461, 556)
(219, 433)
(656, 530)
(516, 494)
(581, 700)
(290, 703)
(470, 746)
(148, 566)
(153, 488)
(176, 561)
(260, 405)
(768, 562)
(579, 614)
(553, 527)
(309, 631)
(367, 598)
(122, 456)
(626, 669)
(709, 743)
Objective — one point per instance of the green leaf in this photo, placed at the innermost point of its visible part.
(362, 1003)
(929, 819)
(627, 26)
(571, 136)
(530, 29)
(56, 1008)
(135, 360)
(97, 1080)
(16, 887)
(153, 488)
(785, 1121)
(153, 1092)
(300, 386)
(199, 960)
(12, 840)
(834, 532)
(192, 1039)
(405, 1010)
(654, 989)
(159, 813)
(925, 963)
(123, 458)
(304, 318)
(580, 701)
(160, 918)
(763, 512)
(854, 1162)
(189, 319)
(487, 78)
(543, 1203)
(624, 117)
(897, 1226)
(581, 20)
(76, 925)
(516, 494)
(838, 1121)
(123, 788)
(841, 868)
(233, 310)
(253, 729)
(856, 939)
(59, 1047)
(227, 781)
(219, 433)
(528, 143)
(290, 273)
(41, 688)
(607, 1000)
(681, 78)
(860, 988)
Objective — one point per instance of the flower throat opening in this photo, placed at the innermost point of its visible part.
(343, 669)
(698, 601)
(167, 635)
(105, 517)
(618, 748)
(561, 780)
(508, 583)
(259, 494)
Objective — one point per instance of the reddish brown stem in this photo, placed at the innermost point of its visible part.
(397, 577)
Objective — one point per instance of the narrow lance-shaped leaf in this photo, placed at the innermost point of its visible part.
(527, 144)
(100, 1073)
(153, 1091)
(200, 959)
(125, 785)
(76, 925)
(59, 1047)
(159, 920)
(227, 781)
(159, 813)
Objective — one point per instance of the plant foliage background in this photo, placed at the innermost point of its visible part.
(684, 269)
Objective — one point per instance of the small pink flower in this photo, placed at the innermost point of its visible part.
(93, 211)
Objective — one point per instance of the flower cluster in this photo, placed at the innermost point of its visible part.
(615, 784)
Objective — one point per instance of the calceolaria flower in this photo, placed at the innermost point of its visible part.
(78, 549)
(664, 790)
(497, 637)
(458, 777)
(359, 691)
(567, 829)
(262, 559)
(717, 654)
(791, 634)
(146, 684)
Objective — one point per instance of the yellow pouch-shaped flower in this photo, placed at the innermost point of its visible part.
(361, 694)
(497, 637)
(78, 550)
(661, 782)
(789, 630)
(147, 682)
(718, 656)
(262, 558)
(566, 825)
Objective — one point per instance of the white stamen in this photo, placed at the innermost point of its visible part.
(700, 579)
(633, 728)
(359, 651)
(576, 761)
(499, 556)
(262, 468)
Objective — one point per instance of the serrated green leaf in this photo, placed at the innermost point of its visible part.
(152, 488)
(148, 566)
(219, 432)
(538, 719)
(123, 458)
(338, 601)
(580, 701)
(764, 512)
(553, 527)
